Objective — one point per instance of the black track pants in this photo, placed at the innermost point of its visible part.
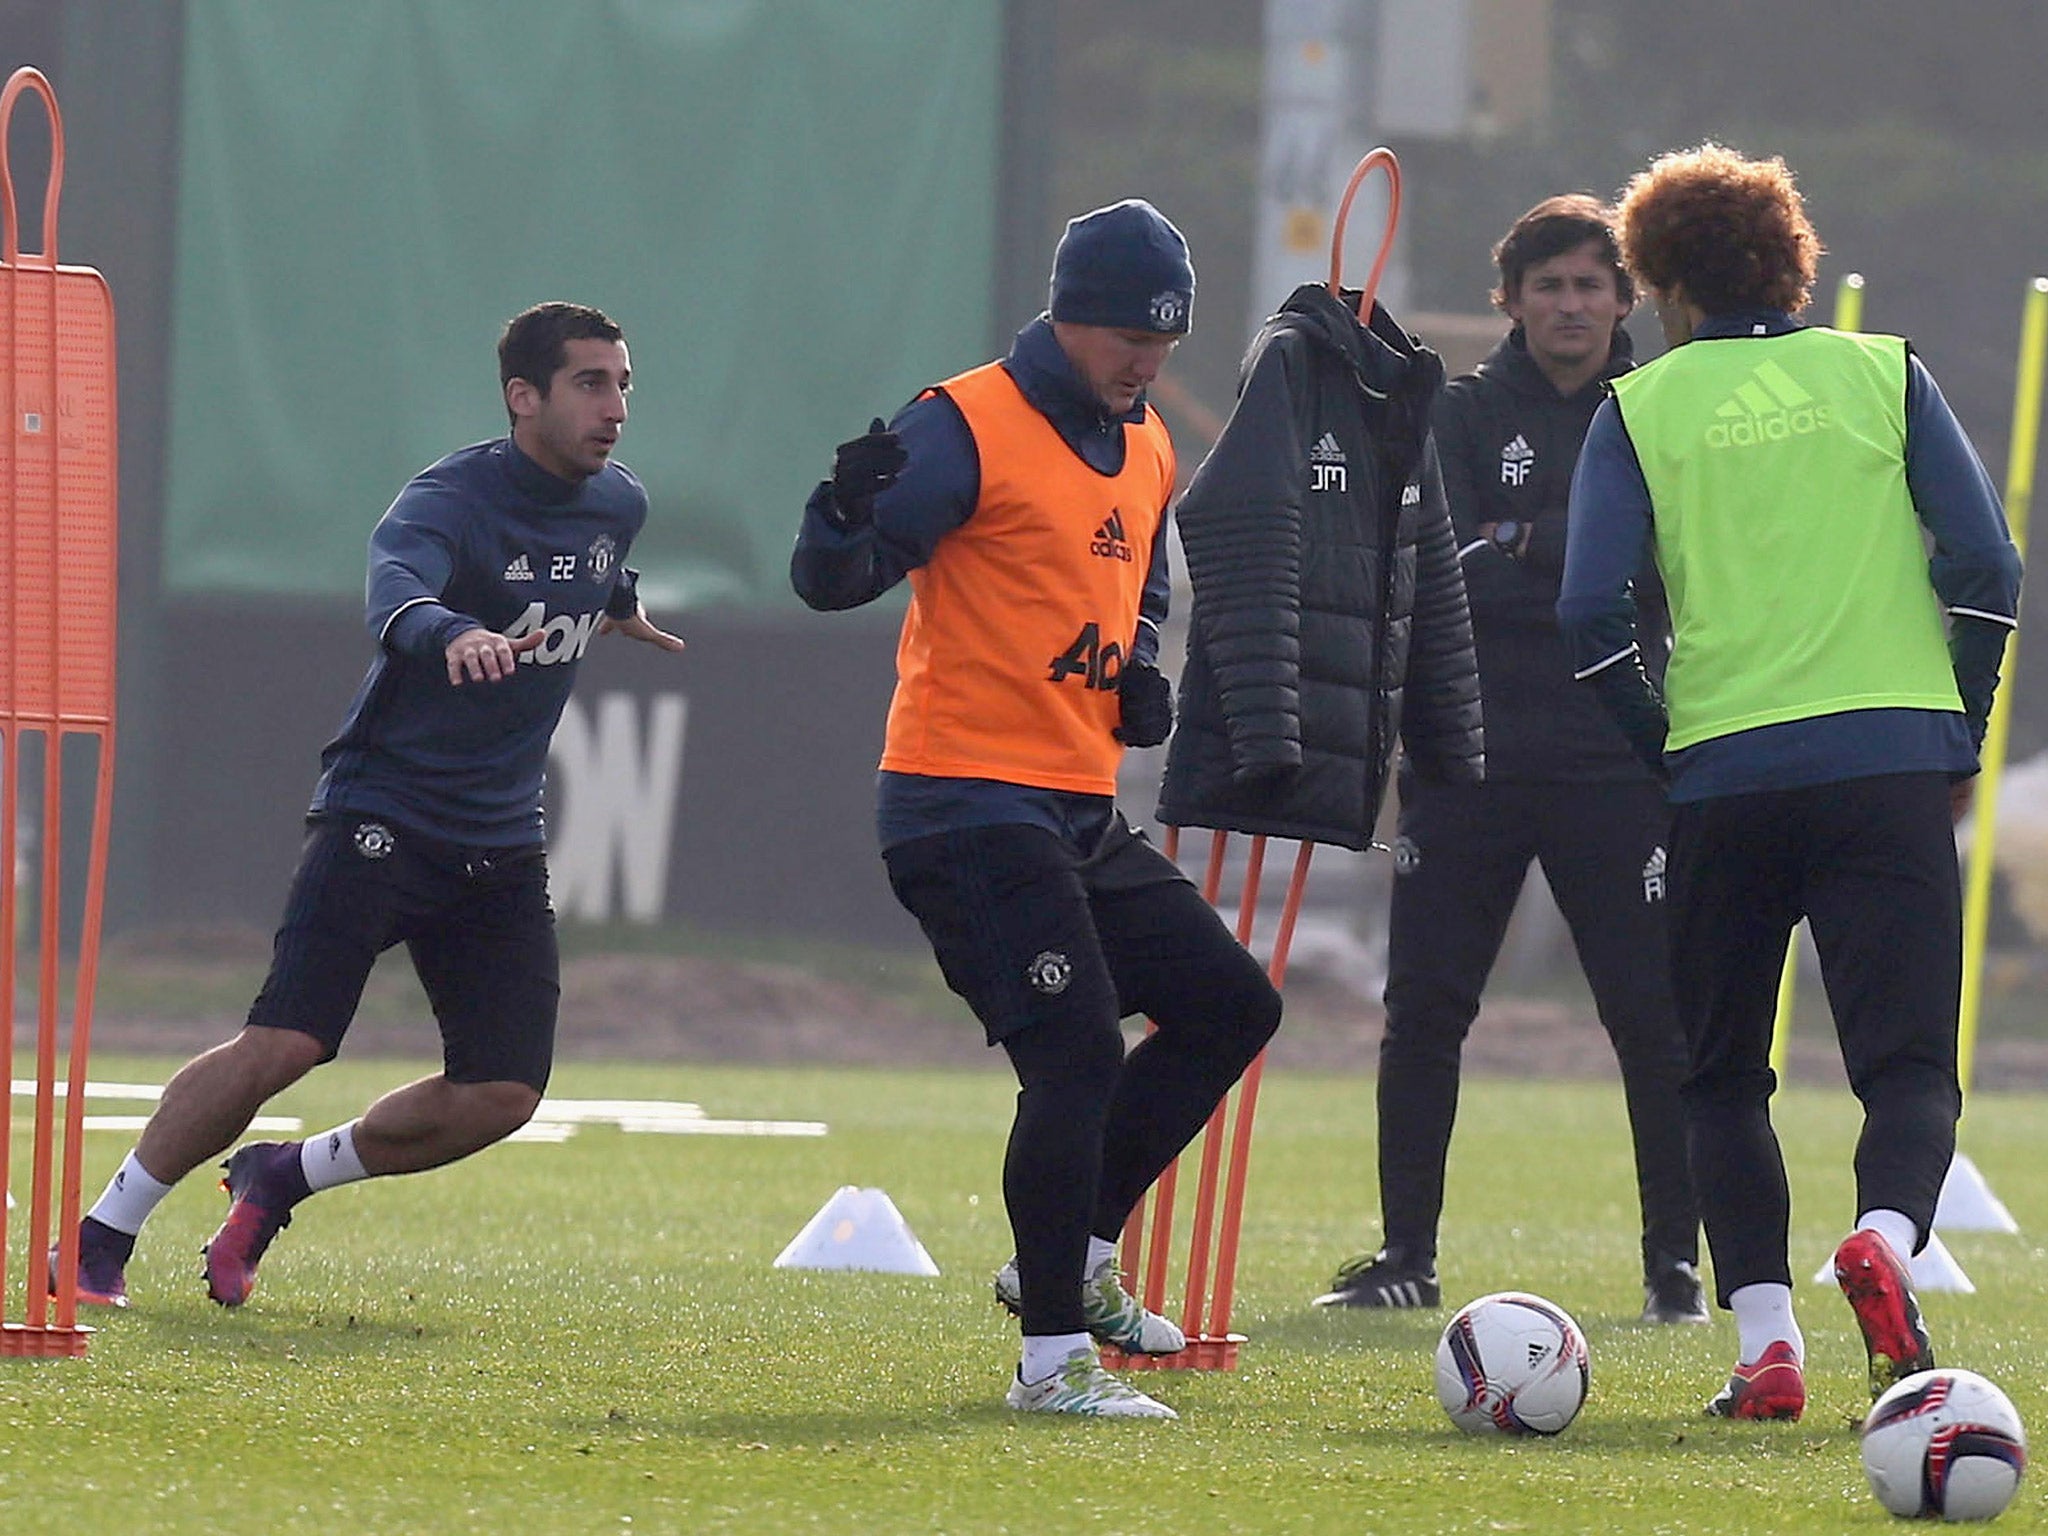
(1052, 947)
(1871, 865)
(1460, 861)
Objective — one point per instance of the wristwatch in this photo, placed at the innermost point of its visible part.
(1510, 536)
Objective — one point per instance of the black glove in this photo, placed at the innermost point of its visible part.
(1145, 706)
(863, 468)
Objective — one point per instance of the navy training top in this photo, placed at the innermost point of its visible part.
(485, 538)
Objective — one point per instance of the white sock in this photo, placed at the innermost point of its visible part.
(1100, 1251)
(330, 1158)
(1045, 1353)
(131, 1194)
(1895, 1227)
(1763, 1316)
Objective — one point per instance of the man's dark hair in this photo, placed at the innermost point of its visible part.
(534, 344)
(1554, 226)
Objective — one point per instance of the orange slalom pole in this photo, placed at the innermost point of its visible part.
(1248, 1102)
(1381, 159)
(11, 255)
(47, 922)
(1149, 1257)
(10, 776)
(1139, 1262)
(70, 1199)
(1212, 877)
(1214, 1134)
(58, 500)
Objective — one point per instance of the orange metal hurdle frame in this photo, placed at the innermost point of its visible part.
(1146, 1255)
(57, 609)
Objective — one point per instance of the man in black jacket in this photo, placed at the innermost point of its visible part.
(1562, 785)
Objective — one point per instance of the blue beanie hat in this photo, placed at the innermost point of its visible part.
(1124, 266)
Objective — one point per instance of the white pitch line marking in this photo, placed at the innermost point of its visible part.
(728, 1127)
(554, 1121)
(286, 1123)
(589, 1111)
(543, 1130)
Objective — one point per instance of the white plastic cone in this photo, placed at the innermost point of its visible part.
(858, 1229)
(1933, 1268)
(1967, 1204)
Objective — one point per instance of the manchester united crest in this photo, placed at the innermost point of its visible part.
(1049, 972)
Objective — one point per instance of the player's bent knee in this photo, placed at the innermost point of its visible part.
(280, 1057)
(1249, 1007)
(1230, 1009)
(503, 1107)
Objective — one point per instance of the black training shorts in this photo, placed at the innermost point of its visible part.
(475, 920)
(1028, 928)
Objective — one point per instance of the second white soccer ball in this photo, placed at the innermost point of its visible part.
(1512, 1364)
(1944, 1444)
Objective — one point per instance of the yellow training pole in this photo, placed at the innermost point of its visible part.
(1788, 987)
(1848, 317)
(2019, 491)
(1849, 303)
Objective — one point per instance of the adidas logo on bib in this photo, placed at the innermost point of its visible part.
(1767, 407)
(1109, 541)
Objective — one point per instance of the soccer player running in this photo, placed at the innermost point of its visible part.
(487, 578)
(1819, 722)
(1562, 786)
(1025, 500)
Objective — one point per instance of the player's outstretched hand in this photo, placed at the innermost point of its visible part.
(485, 656)
(863, 468)
(640, 627)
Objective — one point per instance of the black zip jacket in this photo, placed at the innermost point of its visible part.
(1329, 615)
(1508, 442)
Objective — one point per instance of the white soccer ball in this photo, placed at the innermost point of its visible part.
(1512, 1364)
(1944, 1444)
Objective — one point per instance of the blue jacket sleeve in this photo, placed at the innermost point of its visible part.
(1154, 603)
(834, 567)
(412, 555)
(1975, 568)
(1607, 539)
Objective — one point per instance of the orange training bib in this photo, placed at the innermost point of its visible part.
(1020, 623)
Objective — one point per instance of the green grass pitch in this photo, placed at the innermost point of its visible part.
(590, 1337)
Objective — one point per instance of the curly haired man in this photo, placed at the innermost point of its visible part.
(1818, 724)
